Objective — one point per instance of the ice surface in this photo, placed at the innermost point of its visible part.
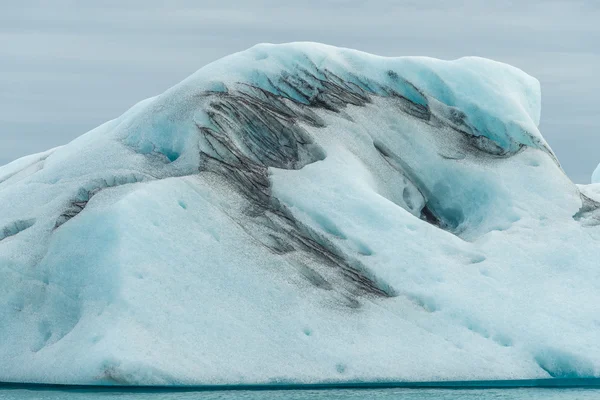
(302, 213)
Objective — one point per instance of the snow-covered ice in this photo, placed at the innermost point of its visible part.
(302, 213)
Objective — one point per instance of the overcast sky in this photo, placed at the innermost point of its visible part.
(68, 66)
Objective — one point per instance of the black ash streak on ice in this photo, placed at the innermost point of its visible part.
(16, 227)
(268, 132)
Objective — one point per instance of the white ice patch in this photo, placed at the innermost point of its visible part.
(596, 175)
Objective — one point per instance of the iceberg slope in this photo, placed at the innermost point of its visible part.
(303, 213)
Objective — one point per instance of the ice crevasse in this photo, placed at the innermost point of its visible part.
(301, 213)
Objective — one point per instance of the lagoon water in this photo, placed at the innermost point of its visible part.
(335, 394)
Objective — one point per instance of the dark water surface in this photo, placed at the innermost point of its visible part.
(23, 392)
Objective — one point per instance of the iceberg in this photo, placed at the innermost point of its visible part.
(301, 213)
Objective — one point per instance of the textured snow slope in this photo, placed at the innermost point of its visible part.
(302, 213)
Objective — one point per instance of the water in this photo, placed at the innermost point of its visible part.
(335, 394)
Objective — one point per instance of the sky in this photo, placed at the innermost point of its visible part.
(68, 66)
